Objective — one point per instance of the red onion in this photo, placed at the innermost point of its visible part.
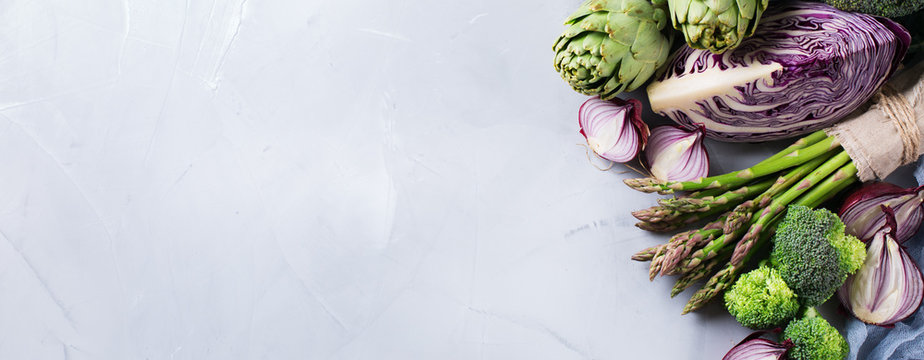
(863, 217)
(888, 288)
(614, 129)
(675, 154)
(753, 347)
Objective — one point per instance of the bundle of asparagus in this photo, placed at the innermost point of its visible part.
(745, 205)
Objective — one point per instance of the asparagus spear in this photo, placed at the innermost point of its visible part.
(809, 139)
(648, 253)
(725, 200)
(676, 222)
(736, 178)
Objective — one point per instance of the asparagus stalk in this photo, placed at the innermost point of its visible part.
(725, 200)
(703, 193)
(834, 184)
(736, 178)
(809, 139)
(679, 221)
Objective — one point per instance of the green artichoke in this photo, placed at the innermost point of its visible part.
(716, 25)
(612, 46)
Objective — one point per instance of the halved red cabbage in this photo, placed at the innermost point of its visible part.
(807, 66)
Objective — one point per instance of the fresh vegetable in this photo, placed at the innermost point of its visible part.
(671, 214)
(743, 209)
(716, 25)
(813, 254)
(675, 154)
(754, 347)
(888, 288)
(614, 129)
(734, 179)
(862, 212)
(887, 8)
(813, 338)
(807, 66)
(760, 299)
(611, 46)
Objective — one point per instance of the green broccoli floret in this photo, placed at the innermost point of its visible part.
(760, 299)
(814, 338)
(813, 254)
(887, 8)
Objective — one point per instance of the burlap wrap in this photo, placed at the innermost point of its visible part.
(888, 134)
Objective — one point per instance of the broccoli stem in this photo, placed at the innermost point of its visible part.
(809, 312)
(736, 178)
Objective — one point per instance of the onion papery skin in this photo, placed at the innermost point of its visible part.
(863, 217)
(676, 154)
(753, 347)
(614, 129)
(888, 288)
(807, 66)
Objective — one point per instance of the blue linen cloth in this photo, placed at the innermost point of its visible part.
(906, 339)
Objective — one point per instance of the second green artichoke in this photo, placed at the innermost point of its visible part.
(716, 25)
(611, 46)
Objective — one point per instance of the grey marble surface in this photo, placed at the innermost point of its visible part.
(316, 180)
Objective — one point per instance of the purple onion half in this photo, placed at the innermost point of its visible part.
(613, 128)
(863, 217)
(753, 347)
(677, 154)
(889, 287)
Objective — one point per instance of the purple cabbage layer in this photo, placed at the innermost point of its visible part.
(832, 63)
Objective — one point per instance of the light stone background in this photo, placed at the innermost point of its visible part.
(316, 180)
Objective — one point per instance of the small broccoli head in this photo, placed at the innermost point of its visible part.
(814, 338)
(760, 299)
(813, 254)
